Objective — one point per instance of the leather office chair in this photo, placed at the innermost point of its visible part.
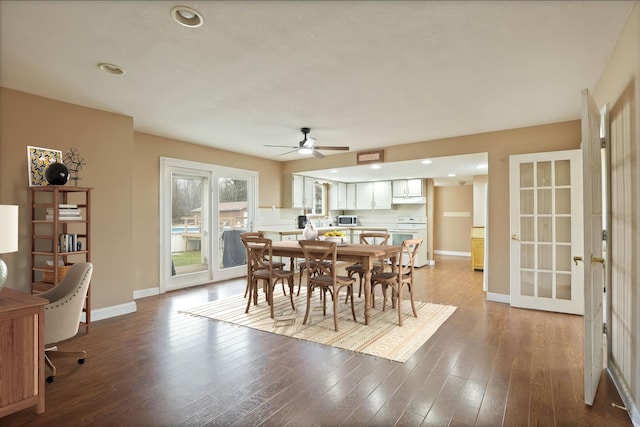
(62, 314)
(321, 257)
(397, 280)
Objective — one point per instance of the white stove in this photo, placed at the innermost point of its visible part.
(411, 227)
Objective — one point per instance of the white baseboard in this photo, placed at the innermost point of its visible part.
(112, 311)
(504, 298)
(143, 293)
(431, 262)
(453, 253)
(625, 394)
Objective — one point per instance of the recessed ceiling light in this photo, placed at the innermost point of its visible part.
(481, 166)
(426, 162)
(187, 16)
(375, 166)
(111, 69)
(451, 175)
(334, 170)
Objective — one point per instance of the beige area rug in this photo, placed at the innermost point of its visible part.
(382, 337)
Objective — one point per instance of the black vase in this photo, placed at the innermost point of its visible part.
(57, 174)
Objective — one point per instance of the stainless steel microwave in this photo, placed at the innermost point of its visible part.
(346, 220)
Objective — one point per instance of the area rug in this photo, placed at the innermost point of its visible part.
(381, 338)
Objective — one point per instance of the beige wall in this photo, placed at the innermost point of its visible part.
(453, 218)
(105, 141)
(123, 168)
(499, 146)
(619, 86)
(147, 152)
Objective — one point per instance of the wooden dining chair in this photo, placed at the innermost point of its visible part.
(260, 253)
(368, 238)
(398, 279)
(321, 258)
(247, 235)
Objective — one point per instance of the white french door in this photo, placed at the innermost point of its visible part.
(593, 256)
(203, 210)
(546, 231)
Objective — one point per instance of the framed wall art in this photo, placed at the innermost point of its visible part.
(38, 159)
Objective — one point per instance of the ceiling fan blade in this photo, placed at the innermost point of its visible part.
(280, 146)
(317, 154)
(331, 147)
(288, 152)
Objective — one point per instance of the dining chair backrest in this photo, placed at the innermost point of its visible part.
(371, 238)
(320, 257)
(259, 253)
(407, 257)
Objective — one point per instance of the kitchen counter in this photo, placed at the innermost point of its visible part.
(322, 230)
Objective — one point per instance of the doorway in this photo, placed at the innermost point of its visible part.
(203, 210)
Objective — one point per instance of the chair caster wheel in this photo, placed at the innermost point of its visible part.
(80, 361)
(50, 379)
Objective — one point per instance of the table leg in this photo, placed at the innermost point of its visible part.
(367, 265)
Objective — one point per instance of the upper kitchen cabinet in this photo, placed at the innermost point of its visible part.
(373, 195)
(408, 191)
(337, 196)
(351, 196)
(298, 192)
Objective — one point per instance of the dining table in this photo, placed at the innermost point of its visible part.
(364, 254)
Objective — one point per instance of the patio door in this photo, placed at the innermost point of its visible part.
(203, 210)
(546, 231)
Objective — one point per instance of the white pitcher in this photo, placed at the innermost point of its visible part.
(310, 232)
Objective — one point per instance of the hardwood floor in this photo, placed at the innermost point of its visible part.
(488, 365)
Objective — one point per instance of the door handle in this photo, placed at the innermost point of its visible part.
(596, 259)
(515, 237)
(576, 259)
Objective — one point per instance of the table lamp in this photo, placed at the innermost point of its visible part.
(8, 236)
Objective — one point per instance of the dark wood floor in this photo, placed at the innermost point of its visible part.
(488, 365)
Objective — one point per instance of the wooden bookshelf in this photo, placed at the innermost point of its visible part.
(48, 224)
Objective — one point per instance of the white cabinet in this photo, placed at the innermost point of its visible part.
(351, 196)
(408, 188)
(373, 195)
(409, 191)
(337, 195)
(298, 192)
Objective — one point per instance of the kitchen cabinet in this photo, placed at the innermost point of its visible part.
(373, 195)
(477, 248)
(298, 192)
(408, 188)
(337, 196)
(351, 196)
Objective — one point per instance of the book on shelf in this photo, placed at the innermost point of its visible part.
(63, 218)
(69, 243)
(67, 206)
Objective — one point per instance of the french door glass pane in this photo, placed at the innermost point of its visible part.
(545, 229)
(232, 221)
(187, 200)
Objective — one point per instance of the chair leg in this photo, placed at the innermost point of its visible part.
(81, 353)
(399, 295)
(335, 309)
(291, 286)
(413, 306)
(353, 309)
(300, 280)
(306, 313)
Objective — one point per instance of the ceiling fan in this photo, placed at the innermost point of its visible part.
(307, 146)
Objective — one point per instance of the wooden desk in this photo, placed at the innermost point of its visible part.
(364, 254)
(21, 351)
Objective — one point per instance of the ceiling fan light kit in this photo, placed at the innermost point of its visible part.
(307, 145)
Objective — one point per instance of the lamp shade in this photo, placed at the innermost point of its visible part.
(8, 228)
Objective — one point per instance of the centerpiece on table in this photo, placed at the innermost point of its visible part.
(336, 236)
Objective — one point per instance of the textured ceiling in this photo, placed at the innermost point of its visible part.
(367, 74)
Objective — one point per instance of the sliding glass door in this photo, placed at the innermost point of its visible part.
(203, 210)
